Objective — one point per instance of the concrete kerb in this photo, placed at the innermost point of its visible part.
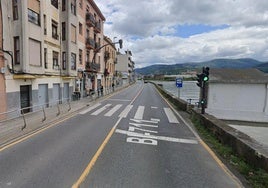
(11, 130)
(244, 146)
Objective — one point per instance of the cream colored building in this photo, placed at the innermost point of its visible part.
(110, 61)
(3, 105)
(48, 40)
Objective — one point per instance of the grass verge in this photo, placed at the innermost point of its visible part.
(255, 177)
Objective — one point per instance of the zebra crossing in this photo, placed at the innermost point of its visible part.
(110, 109)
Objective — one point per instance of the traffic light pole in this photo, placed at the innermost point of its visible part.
(203, 100)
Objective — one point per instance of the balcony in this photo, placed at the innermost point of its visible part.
(92, 67)
(90, 20)
(97, 46)
(97, 27)
(90, 43)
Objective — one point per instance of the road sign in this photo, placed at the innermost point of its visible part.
(179, 82)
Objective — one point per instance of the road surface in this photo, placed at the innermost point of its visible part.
(131, 139)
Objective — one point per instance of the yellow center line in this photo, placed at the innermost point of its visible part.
(92, 162)
(34, 133)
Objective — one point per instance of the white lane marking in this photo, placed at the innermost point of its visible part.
(163, 138)
(139, 113)
(119, 100)
(153, 119)
(153, 107)
(170, 115)
(97, 112)
(125, 112)
(113, 110)
(90, 108)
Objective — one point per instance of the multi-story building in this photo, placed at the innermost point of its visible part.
(94, 54)
(125, 67)
(3, 106)
(110, 61)
(52, 43)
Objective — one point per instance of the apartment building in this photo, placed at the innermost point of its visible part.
(50, 52)
(110, 61)
(125, 67)
(3, 106)
(90, 39)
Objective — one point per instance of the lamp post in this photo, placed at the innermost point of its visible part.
(120, 42)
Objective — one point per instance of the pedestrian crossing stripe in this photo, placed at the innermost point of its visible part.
(138, 115)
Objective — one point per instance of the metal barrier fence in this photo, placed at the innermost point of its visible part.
(36, 112)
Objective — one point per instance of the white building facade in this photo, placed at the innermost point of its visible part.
(238, 95)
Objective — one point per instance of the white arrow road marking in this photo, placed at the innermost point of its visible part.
(163, 138)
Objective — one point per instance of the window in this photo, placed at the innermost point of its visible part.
(87, 56)
(80, 56)
(16, 50)
(63, 4)
(55, 30)
(73, 6)
(54, 3)
(73, 61)
(80, 29)
(55, 60)
(15, 9)
(45, 24)
(73, 33)
(64, 60)
(63, 28)
(81, 4)
(33, 17)
(45, 57)
(87, 33)
(35, 52)
(34, 11)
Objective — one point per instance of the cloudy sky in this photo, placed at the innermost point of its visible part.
(179, 31)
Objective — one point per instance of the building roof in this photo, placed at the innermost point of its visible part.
(237, 76)
(96, 8)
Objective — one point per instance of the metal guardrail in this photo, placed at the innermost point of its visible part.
(30, 111)
(37, 114)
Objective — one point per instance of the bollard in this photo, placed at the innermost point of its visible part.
(44, 118)
(69, 105)
(58, 106)
(24, 126)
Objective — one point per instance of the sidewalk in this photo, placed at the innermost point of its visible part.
(19, 127)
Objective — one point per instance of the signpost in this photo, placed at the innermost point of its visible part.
(179, 82)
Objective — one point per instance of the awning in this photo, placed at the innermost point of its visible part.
(23, 76)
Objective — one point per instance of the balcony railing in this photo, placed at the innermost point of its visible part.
(92, 67)
(97, 27)
(90, 20)
(97, 45)
(90, 43)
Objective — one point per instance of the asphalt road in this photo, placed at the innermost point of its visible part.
(132, 139)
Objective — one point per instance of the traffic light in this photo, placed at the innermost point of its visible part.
(205, 74)
(121, 43)
(199, 80)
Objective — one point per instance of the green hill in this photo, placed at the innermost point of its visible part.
(216, 63)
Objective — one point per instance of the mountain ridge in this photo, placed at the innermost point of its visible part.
(215, 63)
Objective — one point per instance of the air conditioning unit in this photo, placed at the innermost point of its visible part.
(3, 70)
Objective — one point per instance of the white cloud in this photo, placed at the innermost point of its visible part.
(147, 28)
